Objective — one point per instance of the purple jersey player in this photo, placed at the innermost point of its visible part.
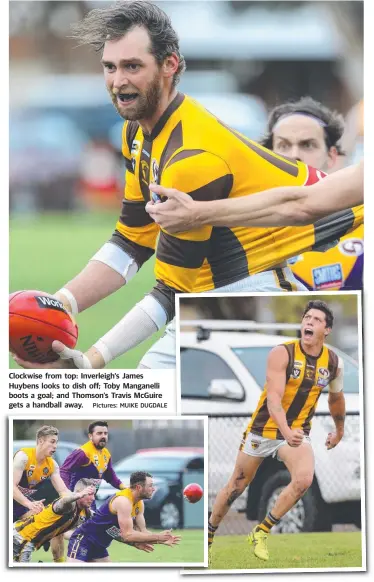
(91, 461)
(120, 518)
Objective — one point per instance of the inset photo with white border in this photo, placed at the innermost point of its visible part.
(280, 376)
(108, 492)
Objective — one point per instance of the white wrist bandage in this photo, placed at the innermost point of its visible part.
(147, 317)
(70, 297)
(117, 259)
(337, 384)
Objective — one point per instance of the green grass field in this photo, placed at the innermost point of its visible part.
(47, 251)
(190, 549)
(306, 550)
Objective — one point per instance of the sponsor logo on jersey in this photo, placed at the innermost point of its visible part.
(352, 247)
(49, 303)
(327, 276)
(133, 163)
(255, 445)
(323, 377)
(298, 364)
(155, 170)
(324, 372)
(296, 373)
(135, 147)
(45, 470)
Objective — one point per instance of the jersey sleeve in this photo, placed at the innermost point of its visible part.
(76, 459)
(135, 232)
(179, 257)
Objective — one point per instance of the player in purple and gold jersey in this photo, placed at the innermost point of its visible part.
(92, 460)
(31, 468)
(120, 518)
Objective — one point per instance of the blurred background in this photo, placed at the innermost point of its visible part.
(230, 352)
(172, 450)
(66, 171)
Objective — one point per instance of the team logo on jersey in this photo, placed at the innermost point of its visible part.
(294, 260)
(352, 247)
(327, 276)
(45, 470)
(255, 445)
(309, 372)
(133, 164)
(136, 510)
(155, 170)
(31, 470)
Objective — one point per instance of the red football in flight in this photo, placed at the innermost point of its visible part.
(193, 493)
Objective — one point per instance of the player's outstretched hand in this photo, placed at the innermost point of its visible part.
(36, 507)
(68, 358)
(295, 437)
(332, 440)
(144, 547)
(172, 541)
(177, 214)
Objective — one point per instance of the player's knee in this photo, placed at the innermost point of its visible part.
(302, 482)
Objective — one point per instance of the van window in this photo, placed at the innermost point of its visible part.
(198, 369)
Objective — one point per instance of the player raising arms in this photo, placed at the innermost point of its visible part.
(171, 139)
(31, 467)
(117, 519)
(61, 515)
(296, 374)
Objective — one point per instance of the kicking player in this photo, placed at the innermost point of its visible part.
(92, 460)
(116, 520)
(31, 468)
(61, 515)
(171, 139)
(297, 372)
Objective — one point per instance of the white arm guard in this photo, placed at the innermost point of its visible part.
(147, 317)
(117, 259)
(336, 385)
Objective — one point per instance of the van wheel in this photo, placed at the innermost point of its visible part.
(309, 514)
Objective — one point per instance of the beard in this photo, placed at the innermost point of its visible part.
(146, 104)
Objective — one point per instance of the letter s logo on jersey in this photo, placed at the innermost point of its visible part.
(314, 176)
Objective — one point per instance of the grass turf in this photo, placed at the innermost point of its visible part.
(48, 250)
(306, 550)
(190, 550)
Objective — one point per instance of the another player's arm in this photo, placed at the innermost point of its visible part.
(57, 481)
(336, 402)
(276, 383)
(283, 206)
(73, 461)
(19, 465)
(123, 507)
(65, 503)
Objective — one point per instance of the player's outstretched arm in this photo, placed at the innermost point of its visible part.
(337, 407)
(276, 384)
(64, 503)
(57, 480)
(285, 206)
(19, 465)
(123, 508)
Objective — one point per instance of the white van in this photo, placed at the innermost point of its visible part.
(222, 375)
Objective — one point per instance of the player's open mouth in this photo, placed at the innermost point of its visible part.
(126, 98)
(308, 332)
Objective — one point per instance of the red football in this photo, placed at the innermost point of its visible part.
(36, 319)
(193, 493)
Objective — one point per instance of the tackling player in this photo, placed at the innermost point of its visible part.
(117, 519)
(61, 515)
(297, 372)
(91, 461)
(31, 468)
(171, 139)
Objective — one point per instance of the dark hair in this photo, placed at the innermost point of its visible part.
(321, 306)
(96, 423)
(139, 477)
(102, 24)
(332, 120)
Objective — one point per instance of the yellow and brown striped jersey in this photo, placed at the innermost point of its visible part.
(191, 150)
(47, 524)
(306, 377)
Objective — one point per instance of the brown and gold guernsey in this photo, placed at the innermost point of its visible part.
(48, 523)
(306, 377)
(191, 150)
